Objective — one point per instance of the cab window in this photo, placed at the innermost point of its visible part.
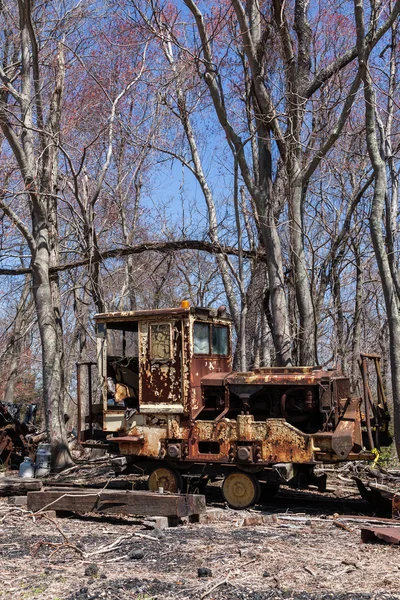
(160, 341)
(122, 340)
(201, 338)
(210, 339)
(219, 340)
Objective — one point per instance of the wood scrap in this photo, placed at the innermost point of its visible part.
(341, 526)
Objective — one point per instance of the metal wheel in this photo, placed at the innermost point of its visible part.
(241, 490)
(169, 479)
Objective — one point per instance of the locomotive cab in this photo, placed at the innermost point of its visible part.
(152, 362)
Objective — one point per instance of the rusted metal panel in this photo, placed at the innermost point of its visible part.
(390, 535)
(285, 443)
(144, 440)
(280, 376)
(214, 379)
(276, 440)
(129, 438)
(201, 368)
(285, 370)
(348, 428)
(185, 365)
(161, 375)
(341, 387)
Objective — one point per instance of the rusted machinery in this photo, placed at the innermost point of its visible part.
(173, 406)
(16, 437)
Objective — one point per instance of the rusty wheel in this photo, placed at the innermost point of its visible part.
(241, 490)
(169, 479)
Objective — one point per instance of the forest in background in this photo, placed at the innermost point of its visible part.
(231, 152)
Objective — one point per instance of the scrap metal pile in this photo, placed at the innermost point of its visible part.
(17, 437)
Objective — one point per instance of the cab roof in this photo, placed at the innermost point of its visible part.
(163, 313)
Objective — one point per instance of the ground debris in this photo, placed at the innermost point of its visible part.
(293, 552)
(92, 570)
(136, 554)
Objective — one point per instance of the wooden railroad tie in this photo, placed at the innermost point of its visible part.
(18, 486)
(112, 502)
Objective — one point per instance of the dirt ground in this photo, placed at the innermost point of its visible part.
(298, 553)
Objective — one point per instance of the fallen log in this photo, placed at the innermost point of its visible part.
(141, 503)
(18, 486)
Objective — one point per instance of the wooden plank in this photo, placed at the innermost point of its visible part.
(113, 502)
(18, 486)
(196, 504)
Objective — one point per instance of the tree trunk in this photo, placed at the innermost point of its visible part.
(255, 294)
(39, 177)
(339, 319)
(52, 354)
(306, 334)
(14, 350)
(280, 321)
(267, 219)
(378, 204)
(355, 344)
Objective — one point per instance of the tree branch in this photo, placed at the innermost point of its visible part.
(263, 98)
(14, 218)
(342, 61)
(162, 247)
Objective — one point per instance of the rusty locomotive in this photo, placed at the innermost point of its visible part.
(176, 410)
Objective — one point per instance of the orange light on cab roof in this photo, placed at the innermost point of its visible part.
(185, 304)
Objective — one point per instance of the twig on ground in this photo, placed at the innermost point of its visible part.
(147, 537)
(66, 544)
(214, 587)
(110, 547)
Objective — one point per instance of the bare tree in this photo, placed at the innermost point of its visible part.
(378, 204)
(33, 136)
